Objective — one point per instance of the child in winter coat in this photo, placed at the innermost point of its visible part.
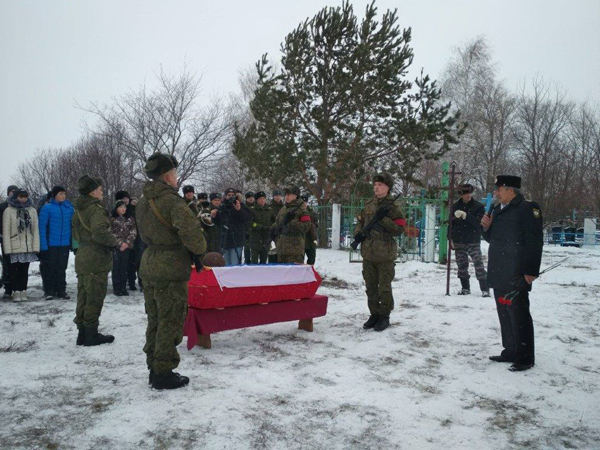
(21, 240)
(125, 231)
(55, 243)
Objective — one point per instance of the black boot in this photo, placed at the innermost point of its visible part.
(371, 322)
(63, 296)
(466, 286)
(132, 287)
(171, 380)
(485, 288)
(92, 337)
(382, 323)
(80, 335)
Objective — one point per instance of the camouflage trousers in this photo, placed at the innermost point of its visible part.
(378, 280)
(166, 308)
(292, 258)
(91, 292)
(463, 252)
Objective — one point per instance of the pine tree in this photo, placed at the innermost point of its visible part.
(341, 104)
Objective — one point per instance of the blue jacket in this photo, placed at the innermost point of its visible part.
(55, 224)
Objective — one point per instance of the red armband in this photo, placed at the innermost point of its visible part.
(305, 219)
(400, 222)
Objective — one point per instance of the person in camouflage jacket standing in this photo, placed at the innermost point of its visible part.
(262, 220)
(294, 222)
(93, 261)
(310, 240)
(379, 250)
(276, 205)
(172, 234)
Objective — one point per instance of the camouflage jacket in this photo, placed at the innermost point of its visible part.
(291, 239)
(124, 229)
(276, 207)
(381, 244)
(311, 237)
(94, 235)
(194, 209)
(167, 257)
(260, 224)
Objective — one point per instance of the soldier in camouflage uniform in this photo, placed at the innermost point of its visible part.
(262, 220)
(276, 205)
(190, 197)
(310, 240)
(290, 241)
(379, 250)
(172, 233)
(93, 261)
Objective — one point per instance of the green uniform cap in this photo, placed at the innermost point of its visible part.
(87, 184)
(158, 164)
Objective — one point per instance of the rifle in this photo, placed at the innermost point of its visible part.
(289, 216)
(362, 235)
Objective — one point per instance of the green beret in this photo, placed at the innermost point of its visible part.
(158, 164)
(87, 184)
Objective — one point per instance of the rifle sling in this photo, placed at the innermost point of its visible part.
(88, 229)
(160, 217)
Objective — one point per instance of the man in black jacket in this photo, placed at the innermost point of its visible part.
(6, 258)
(232, 218)
(466, 239)
(515, 233)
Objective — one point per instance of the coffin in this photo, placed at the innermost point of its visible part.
(224, 287)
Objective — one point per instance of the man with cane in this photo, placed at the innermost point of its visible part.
(514, 230)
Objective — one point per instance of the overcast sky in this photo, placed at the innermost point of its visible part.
(54, 53)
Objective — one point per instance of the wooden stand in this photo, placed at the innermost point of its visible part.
(306, 325)
(204, 341)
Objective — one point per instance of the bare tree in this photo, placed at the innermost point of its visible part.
(542, 119)
(167, 119)
(486, 106)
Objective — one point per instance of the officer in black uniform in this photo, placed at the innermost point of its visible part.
(514, 230)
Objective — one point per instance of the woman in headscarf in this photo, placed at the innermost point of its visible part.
(21, 240)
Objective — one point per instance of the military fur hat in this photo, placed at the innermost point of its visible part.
(384, 178)
(260, 194)
(465, 189)
(202, 196)
(229, 191)
(159, 163)
(215, 195)
(293, 189)
(277, 192)
(249, 194)
(188, 188)
(87, 184)
(121, 195)
(508, 181)
(213, 259)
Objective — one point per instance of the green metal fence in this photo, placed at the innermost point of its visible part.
(411, 245)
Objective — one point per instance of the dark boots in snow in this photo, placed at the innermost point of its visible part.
(171, 380)
(466, 286)
(382, 323)
(92, 337)
(371, 322)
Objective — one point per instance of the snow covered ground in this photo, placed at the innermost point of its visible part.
(426, 382)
